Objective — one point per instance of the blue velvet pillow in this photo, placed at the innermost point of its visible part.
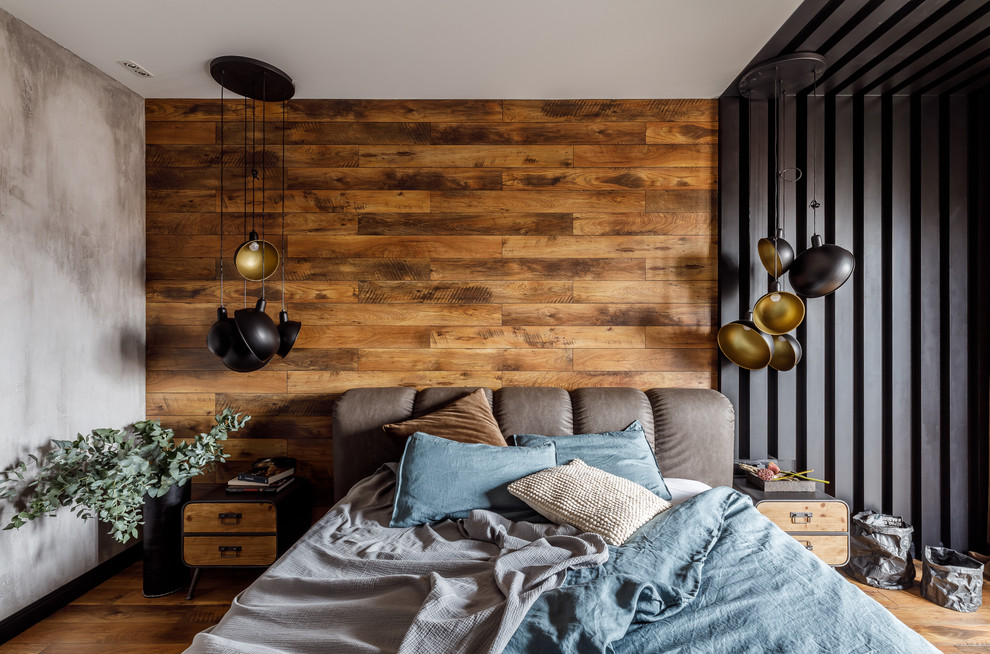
(439, 478)
(624, 453)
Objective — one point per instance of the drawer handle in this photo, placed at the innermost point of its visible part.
(236, 517)
(801, 517)
(807, 545)
(229, 551)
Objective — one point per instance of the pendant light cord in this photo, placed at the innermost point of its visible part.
(814, 148)
(244, 205)
(283, 205)
(254, 154)
(221, 187)
(264, 153)
(245, 199)
(777, 178)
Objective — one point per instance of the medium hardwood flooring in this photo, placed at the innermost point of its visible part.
(115, 618)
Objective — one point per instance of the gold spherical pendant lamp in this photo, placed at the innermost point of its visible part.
(786, 353)
(745, 345)
(256, 259)
(778, 312)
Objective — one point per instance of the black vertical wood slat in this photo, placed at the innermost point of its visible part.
(914, 356)
(979, 317)
(955, 290)
(815, 364)
(759, 203)
(798, 237)
(786, 393)
(873, 253)
(841, 232)
(902, 406)
(772, 170)
(886, 310)
(745, 262)
(828, 232)
(928, 483)
(859, 288)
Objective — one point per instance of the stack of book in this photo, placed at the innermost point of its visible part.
(268, 475)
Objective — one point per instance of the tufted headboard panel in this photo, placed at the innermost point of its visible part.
(692, 430)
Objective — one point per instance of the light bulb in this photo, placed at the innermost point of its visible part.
(775, 297)
(254, 246)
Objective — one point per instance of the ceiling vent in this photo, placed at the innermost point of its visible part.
(137, 69)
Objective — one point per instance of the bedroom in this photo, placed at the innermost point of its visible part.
(530, 213)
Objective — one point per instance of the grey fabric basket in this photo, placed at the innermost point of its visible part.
(881, 551)
(951, 579)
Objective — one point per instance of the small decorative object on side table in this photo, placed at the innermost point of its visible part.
(815, 519)
(250, 530)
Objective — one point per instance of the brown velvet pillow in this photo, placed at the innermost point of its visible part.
(467, 420)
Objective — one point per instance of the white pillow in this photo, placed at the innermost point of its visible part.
(590, 499)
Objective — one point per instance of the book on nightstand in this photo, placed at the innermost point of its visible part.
(269, 470)
(237, 486)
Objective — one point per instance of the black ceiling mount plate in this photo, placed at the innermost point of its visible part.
(252, 78)
(795, 72)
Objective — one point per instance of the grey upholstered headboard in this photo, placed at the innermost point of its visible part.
(692, 430)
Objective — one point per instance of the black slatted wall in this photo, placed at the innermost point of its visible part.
(890, 402)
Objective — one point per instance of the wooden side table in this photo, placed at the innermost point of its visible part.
(816, 520)
(243, 530)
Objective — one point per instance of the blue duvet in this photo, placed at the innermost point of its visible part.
(712, 575)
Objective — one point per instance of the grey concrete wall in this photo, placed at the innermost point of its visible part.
(72, 264)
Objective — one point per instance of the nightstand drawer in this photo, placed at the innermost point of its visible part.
(833, 550)
(815, 515)
(229, 517)
(229, 550)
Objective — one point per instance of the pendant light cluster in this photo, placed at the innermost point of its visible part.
(764, 337)
(250, 339)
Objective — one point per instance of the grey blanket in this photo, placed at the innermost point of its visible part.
(352, 584)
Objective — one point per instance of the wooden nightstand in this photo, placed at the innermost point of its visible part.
(242, 530)
(817, 520)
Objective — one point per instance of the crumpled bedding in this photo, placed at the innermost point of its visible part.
(712, 575)
(352, 584)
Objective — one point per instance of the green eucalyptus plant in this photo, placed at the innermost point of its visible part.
(107, 473)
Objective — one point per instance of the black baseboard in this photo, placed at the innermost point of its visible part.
(39, 610)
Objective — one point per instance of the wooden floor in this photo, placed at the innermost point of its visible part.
(115, 619)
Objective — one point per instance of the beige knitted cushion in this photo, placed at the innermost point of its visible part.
(590, 499)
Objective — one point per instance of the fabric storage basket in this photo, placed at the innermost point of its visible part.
(880, 551)
(952, 579)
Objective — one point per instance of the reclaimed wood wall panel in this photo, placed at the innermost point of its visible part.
(446, 242)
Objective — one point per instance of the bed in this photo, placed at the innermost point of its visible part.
(709, 574)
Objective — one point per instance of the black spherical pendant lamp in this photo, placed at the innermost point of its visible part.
(240, 358)
(821, 269)
(257, 330)
(745, 345)
(786, 352)
(221, 334)
(288, 331)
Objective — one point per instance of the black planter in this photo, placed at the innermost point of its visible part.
(164, 571)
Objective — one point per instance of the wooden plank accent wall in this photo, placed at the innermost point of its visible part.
(446, 242)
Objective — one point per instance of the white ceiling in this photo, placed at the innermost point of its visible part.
(422, 48)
